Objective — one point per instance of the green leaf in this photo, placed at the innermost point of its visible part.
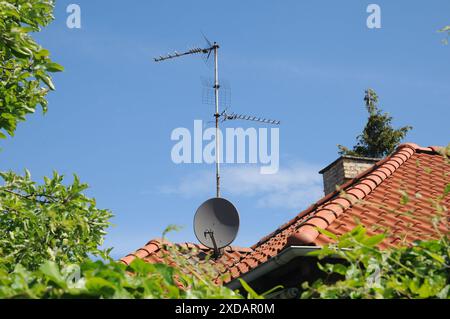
(327, 233)
(21, 52)
(268, 292)
(141, 267)
(48, 81)
(252, 294)
(100, 286)
(339, 269)
(54, 67)
(374, 240)
(436, 257)
(51, 270)
(166, 272)
(42, 53)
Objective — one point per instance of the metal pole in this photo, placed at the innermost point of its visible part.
(217, 115)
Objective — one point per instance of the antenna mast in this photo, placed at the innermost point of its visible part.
(212, 48)
(217, 115)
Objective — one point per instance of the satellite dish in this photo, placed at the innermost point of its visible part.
(216, 223)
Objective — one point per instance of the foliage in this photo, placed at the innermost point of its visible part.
(378, 138)
(107, 280)
(446, 30)
(48, 232)
(24, 64)
(48, 222)
(419, 271)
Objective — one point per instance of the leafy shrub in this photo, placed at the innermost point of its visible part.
(98, 279)
(419, 271)
(48, 222)
(59, 278)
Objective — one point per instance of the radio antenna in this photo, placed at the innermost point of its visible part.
(211, 49)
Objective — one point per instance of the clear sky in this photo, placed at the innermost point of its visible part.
(306, 63)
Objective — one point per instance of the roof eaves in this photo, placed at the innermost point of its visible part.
(273, 263)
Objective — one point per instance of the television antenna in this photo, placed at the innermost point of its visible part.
(213, 49)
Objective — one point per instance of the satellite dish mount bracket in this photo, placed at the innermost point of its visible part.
(216, 250)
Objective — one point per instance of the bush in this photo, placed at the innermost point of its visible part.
(98, 279)
(419, 271)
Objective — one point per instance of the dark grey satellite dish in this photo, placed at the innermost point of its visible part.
(216, 223)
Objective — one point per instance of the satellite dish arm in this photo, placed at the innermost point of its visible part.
(216, 250)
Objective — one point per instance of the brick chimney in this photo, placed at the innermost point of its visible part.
(344, 169)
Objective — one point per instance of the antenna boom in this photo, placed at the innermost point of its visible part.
(234, 116)
(195, 50)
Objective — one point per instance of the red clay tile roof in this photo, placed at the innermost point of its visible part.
(157, 251)
(370, 198)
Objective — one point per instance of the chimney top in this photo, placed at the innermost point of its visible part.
(344, 169)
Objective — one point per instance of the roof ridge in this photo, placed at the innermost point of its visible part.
(358, 188)
(418, 148)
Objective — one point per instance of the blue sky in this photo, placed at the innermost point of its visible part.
(306, 63)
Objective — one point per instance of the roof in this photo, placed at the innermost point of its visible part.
(372, 198)
(159, 251)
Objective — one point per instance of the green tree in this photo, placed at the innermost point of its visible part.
(51, 221)
(24, 64)
(378, 138)
(48, 222)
